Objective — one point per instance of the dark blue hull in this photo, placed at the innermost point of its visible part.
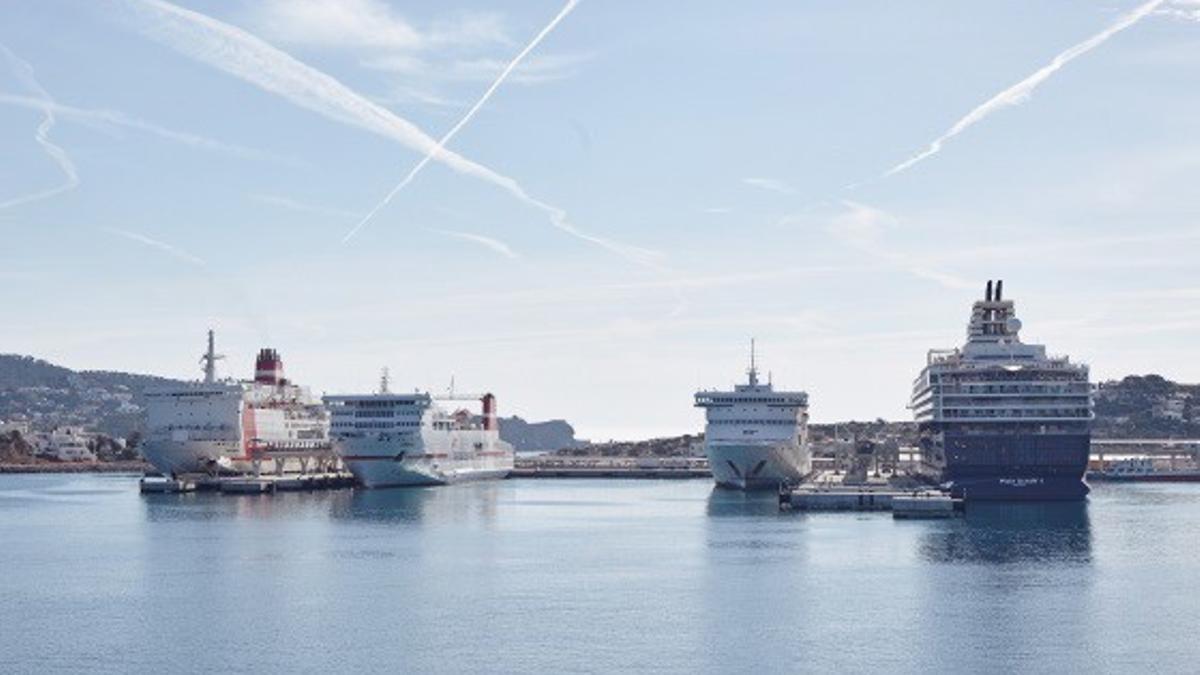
(1014, 467)
(1020, 488)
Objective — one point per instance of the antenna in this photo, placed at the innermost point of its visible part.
(209, 359)
(753, 372)
(383, 381)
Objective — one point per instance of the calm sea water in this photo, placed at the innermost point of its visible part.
(587, 576)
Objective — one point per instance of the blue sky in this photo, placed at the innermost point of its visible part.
(651, 186)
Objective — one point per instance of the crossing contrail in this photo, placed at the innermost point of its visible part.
(24, 72)
(462, 122)
(249, 58)
(1021, 91)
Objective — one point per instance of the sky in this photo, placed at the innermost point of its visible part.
(589, 208)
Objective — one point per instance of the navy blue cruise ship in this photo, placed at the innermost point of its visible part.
(998, 418)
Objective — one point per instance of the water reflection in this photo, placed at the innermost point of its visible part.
(727, 503)
(1012, 533)
(450, 503)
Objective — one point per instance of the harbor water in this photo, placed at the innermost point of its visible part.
(587, 576)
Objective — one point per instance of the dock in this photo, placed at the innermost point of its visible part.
(246, 484)
(831, 492)
(551, 466)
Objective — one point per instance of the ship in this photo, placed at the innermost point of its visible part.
(391, 440)
(227, 426)
(999, 419)
(756, 437)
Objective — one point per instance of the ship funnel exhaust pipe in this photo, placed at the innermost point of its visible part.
(988, 296)
(489, 413)
(268, 367)
(999, 290)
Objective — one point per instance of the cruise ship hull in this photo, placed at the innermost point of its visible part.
(748, 466)
(1015, 467)
(402, 462)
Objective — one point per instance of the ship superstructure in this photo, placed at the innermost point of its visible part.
(387, 439)
(999, 418)
(756, 437)
(232, 426)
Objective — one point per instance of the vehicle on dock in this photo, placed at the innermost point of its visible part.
(756, 437)
(1147, 470)
(998, 419)
(389, 440)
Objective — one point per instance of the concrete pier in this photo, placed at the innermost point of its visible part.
(551, 466)
(247, 484)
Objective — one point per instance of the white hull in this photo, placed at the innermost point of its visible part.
(750, 466)
(177, 457)
(390, 462)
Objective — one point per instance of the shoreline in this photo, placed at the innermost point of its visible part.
(77, 467)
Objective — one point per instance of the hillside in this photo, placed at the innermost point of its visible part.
(112, 403)
(1147, 406)
(535, 436)
(48, 396)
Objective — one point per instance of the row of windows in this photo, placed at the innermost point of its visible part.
(1077, 388)
(386, 403)
(745, 422)
(977, 414)
(756, 399)
(373, 425)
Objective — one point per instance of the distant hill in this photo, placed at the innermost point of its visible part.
(48, 396)
(112, 403)
(1147, 406)
(534, 436)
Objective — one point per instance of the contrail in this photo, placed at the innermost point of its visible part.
(1021, 91)
(488, 242)
(98, 117)
(163, 246)
(462, 122)
(248, 57)
(24, 72)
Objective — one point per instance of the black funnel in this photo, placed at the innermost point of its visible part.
(988, 297)
(999, 290)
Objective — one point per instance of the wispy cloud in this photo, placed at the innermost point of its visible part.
(532, 71)
(864, 227)
(370, 24)
(487, 242)
(1021, 91)
(102, 117)
(717, 209)
(441, 144)
(162, 246)
(303, 207)
(1182, 9)
(247, 57)
(41, 135)
(772, 184)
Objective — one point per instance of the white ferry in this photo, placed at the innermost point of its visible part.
(756, 437)
(389, 440)
(231, 426)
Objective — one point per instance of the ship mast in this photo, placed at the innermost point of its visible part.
(210, 360)
(753, 372)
